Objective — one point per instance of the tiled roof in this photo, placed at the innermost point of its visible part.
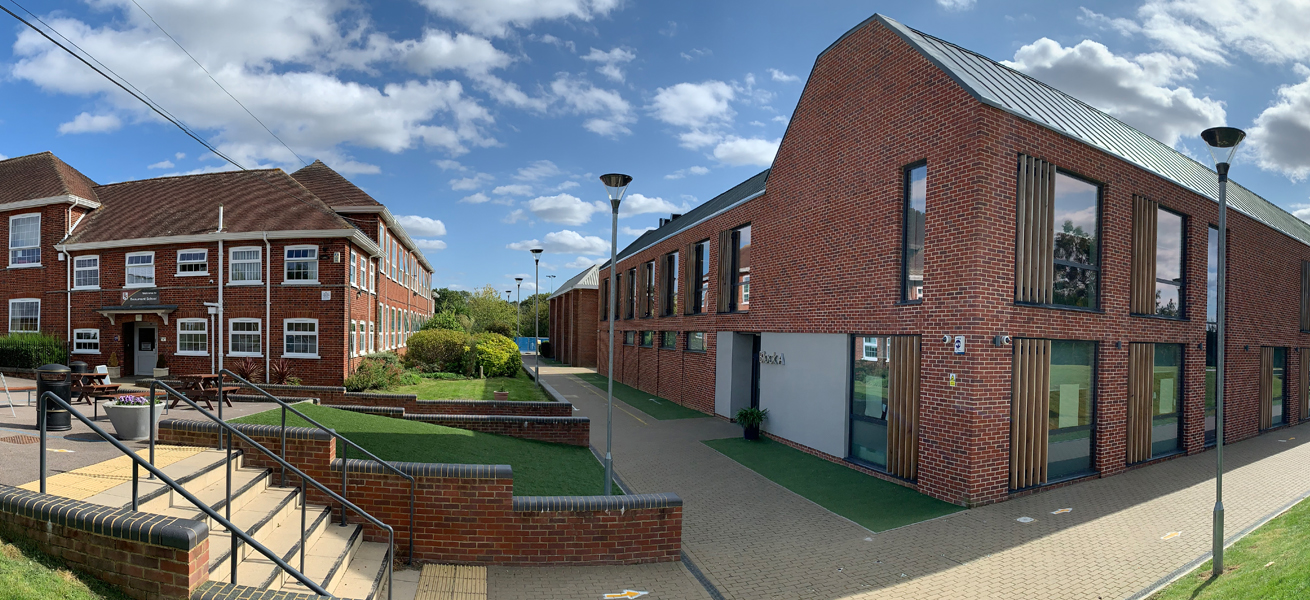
(588, 279)
(43, 175)
(253, 201)
(1011, 91)
(331, 187)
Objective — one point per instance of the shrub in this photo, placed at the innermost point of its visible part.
(499, 328)
(29, 351)
(545, 349)
(445, 376)
(438, 350)
(445, 320)
(247, 368)
(379, 372)
(279, 372)
(497, 355)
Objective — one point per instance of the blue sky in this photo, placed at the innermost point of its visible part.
(484, 123)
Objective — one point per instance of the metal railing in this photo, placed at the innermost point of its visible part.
(346, 445)
(230, 431)
(137, 463)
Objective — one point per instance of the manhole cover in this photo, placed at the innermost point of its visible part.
(21, 439)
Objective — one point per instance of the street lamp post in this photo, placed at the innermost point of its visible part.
(552, 286)
(518, 306)
(1223, 142)
(536, 316)
(615, 185)
(507, 294)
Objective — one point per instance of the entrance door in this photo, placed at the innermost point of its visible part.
(755, 371)
(147, 348)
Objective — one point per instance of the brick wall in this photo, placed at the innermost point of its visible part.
(573, 317)
(467, 513)
(146, 556)
(574, 431)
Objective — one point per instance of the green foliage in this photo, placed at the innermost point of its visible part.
(540, 327)
(752, 417)
(446, 319)
(452, 301)
(498, 328)
(445, 376)
(545, 349)
(439, 350)
(31, 350)
(379, 372)
(490, 312)
(497, 355)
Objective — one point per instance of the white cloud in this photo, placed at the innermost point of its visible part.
(583, 262)
(567, 185)
(554, 41)
(517, 189)
(634, 231)
(477, 198)
(564, 209)
(580, 97)
(738, 151)
(1271, 31)
(439, 50)
(471, 183)
(565, 241)
(515, 216)
(1135, 90)
(696, 53)
(3, 157)
(637, 204)
(422, 226)
(781, 119)
(956, 4)
(783, 77)
(540, 169)
(1281, 136)
(163, 164)
(494, 17)
(89, 123)
(610, 62)
(450, 165)
(430, 244)
(180, 155)
(694, 105)
(680, 173)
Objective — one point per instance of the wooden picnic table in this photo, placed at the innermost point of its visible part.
(91, 387)
(204, 387)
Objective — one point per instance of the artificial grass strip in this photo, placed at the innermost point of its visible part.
(520, 388)
(873, 503)
(540, 468)
(650, 404)
(1271, 563)
(25, 572)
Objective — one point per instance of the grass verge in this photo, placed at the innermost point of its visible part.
(520, 388)
(25, 572)
(1272, 563)
(873, 503)
(540, 468)
(650, 404)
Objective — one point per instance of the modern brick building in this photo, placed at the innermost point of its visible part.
(205, 269)
(961, 279)
(573, 319)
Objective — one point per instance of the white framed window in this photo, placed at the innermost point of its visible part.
(243, 338)
(372, 276)
(245, 265)
(353, 267)
(25, 315)
(371, 343)
(86, 341)
(25, 240)
(140, 269)
(351, 339)
(86, 273)
(300, 338)
(301, 265)
(193, 337)
(192, 263)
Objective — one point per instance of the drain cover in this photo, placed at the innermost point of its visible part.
(21, 439)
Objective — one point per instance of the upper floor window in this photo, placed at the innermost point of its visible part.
(140, 269)
(25, 240)
(86, 272)
(738, 280)
(25, 315)
(354, 266)
(245, 265)
(1157, 268)
(648, 289)
(700, 276)
(301, 264)
(1057, 242)
(669, 301)
(605, 299)
(372, 276)
(630, 297)
(192, 263)
(916, 195)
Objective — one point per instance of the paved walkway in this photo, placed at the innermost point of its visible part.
(754, 539)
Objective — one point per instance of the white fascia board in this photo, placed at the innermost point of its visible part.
(355, 235)
(39, 202)
(392, 224)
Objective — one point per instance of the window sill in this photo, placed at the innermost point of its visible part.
(1160, 317)
(190, 354)
(138, 286)
(244, 355)
(1095, 311)
(86, 352)
(313, 356)
(735, 312)
(205, 274)
(244, 283)
(28, 266)
(908, 302)
(87, 289)
(315, 282)
(697, 351)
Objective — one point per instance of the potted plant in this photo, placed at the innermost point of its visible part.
(133, 416)
(502, 392)
(114, 370)
(750, 420)
(161, 368)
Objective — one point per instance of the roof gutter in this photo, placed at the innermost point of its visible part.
(355, 235)
(39, 202)
(391, 223)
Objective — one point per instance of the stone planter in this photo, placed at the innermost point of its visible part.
(161, 373)
(133, 422)
(114, 372)
(501, 396)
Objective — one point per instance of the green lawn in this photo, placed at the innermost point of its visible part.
(520, 388)
(540, 468)
(650, 404)
(1272, 563)
(876, 504)
(27, 573)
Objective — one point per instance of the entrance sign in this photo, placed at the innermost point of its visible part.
(142, 297)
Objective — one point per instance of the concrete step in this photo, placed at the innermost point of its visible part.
(282, 538)
(247, 484)
(366, 574)
(193, 473)
(328, 558)
(266, 517)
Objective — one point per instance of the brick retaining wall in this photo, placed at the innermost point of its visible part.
(575, 431)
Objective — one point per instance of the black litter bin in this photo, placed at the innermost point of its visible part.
(79, 367)
(57, 379)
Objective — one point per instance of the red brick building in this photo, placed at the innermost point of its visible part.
(573, 320)
(963, 280)
(201, 270)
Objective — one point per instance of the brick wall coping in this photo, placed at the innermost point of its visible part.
(594, 503)
(293, 433)
(381, 395)
(372, 410)
(311, 388)
(415, 469)
(258, 398)
(226, 591)
(494, 403)
(156, 530)
(496, 419)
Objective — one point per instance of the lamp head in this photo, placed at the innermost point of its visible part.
(1223, 142)
(518, 279)
(536, 253)
(615, 185)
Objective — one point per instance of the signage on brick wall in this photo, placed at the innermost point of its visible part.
(141, 297)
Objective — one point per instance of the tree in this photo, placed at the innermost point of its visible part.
(543, 316)
(486, 307)
(448, 300)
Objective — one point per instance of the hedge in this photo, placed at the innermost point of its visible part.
(31, 350)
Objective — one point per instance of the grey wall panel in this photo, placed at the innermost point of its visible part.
(806, 396)
(723, 373)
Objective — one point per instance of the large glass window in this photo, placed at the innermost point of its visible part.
(1069, 434)
(1168, 264)
(140, 269)
(1211, 332)
(300, 338)
(669, 303)
(193, 336)
(86, 272)
(741, 269)
(916, 195)
(696, 341)
(1278, 396)
(25, 240)
(648, 298)
(702, 279)
(25, 315)
(871, 377)
(245, 266)
(1077, 209)
(629, 338)
(1166, 400)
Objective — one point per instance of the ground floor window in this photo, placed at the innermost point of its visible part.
(244, 337)
(300, 338)
(354, 337)
(1211, 373)
(696, 341)
(1073, 365)
(1166, 400)
(86, 341)
(669, 339)
(871, 372)
(1274, 386)
(647, 339)
(25, 315)
(192, 337)
(372, 344)
(629, 338)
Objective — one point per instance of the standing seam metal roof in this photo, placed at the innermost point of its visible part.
(1011, 91)
(588, 279)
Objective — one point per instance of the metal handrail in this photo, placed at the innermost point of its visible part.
(137, 462)
(346, 445)
(230, 430)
